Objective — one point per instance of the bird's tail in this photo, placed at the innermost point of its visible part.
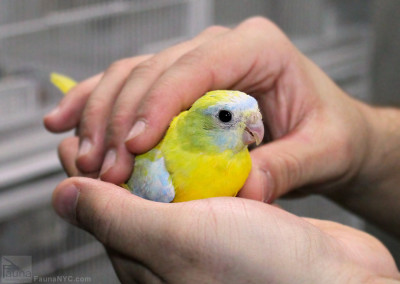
(62, 82)
(65, 84)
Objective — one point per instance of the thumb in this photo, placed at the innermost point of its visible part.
(117, 218)
(293, 162)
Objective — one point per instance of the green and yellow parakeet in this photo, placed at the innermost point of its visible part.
(204, 152)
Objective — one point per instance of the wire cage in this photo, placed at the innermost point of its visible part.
(81, 38)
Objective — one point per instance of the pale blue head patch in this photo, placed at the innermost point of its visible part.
(227, 135)
(234, 101)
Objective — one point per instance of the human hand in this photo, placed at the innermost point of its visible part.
(222, 240)
(317, 131)
(322, 140)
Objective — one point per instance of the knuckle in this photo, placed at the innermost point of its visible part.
(147, 67)
(262, 27)
(102, 229)
(290, 171)
(118, 122)
(192, 58)
(91, 120)
(257, 22)
(103, 225)
(342, 148)
(215, 29)
(153, 100)
(119, 118)
(119, 65)
(63, 145)
(93, 110)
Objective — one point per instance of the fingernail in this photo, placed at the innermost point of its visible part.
(85, 147)
(268, 187)
(109, 161)
(137, 129)
(65, 204)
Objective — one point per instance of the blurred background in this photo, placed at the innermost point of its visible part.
(355, 42)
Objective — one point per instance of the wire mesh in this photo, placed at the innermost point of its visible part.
(81, 38)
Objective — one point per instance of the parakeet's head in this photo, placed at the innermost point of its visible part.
(226, 120)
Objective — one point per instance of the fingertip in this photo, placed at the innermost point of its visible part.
(116, 175)
(48, 123)
(89, 162)
(85, 193)
(67, 150)
(85, 147)
(120, 169)
(89, 157)
(53, 121)
(100, 208)
(52, 114)
(67, 114)
(64, 200)
(137, 140)
(138, 128)
(257, 186)
(145, 141)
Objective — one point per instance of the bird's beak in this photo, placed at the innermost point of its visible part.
(254, 131)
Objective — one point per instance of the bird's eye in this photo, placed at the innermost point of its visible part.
(225, 115)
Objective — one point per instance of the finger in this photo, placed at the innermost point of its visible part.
(231, 60)
(97, 111)
(280, 167)
(117, 164)
(117, 218)
(67, 151)
(67, 114)
(256, 186)
(299, 159)
(141, 229)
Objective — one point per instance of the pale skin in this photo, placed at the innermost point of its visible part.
(324, 142)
